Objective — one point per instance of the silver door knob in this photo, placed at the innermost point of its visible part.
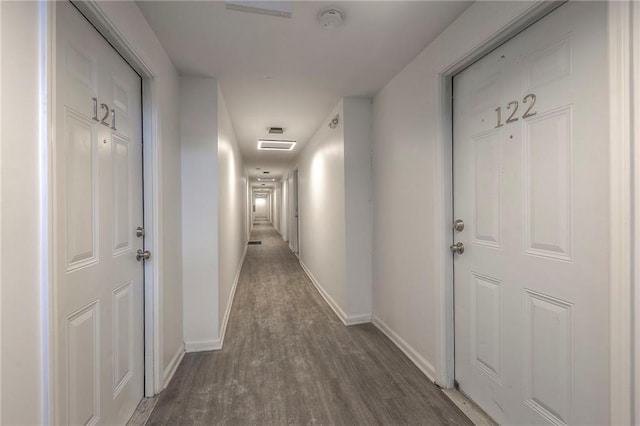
(143, 255)
(458, 225)
(457, 248)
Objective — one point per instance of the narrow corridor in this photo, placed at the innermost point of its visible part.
(287, 359)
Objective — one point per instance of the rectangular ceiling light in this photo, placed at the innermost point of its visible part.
(274, 8)
(266, 179)
(275, 145)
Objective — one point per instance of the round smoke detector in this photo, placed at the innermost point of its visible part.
(331, 18)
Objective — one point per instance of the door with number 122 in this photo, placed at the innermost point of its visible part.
(531, 184)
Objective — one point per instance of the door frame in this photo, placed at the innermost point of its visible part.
(623, 36)
(635, 135)
(152, 171)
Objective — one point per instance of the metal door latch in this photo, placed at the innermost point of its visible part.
(139, 232)
(457, 248)
(143, 255)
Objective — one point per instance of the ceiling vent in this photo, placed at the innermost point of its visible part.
(276, 130)
(275, 145)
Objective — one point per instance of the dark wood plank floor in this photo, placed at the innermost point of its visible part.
(287, 359)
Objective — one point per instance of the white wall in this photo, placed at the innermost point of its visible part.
(22, 304)
(213, 196)
(359, 217)
(21, 333)
(200, 189)
(232, 182)
(322, 213)
(409, 235)
(335, 210)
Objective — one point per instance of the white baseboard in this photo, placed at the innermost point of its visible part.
(326, 296)
(424, 365)
(346, 319)
(227, 311)
(202, 345)
(216, 344)
(357, 319)
(173, 366)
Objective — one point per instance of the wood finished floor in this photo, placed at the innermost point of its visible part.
(287, 359)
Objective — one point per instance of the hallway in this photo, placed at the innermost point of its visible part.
(288, 360)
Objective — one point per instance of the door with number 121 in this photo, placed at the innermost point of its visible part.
(98, 288)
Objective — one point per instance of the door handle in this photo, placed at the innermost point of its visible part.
(143, 255)
(457, 248)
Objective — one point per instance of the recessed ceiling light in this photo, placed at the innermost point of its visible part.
(275, 145)
(273, 8)
(266, 179)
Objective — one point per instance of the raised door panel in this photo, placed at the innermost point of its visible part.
(122, 337)
(486, 328)
(549, 63)
(548, 356)
(120, 96)
(121, 202)
(83, 370)
(80, 190)
(80, 67)
(487, 178)
(548, 184)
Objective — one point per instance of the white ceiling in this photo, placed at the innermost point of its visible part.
(290, 72)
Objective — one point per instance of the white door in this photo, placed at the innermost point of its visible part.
(295, 229)
(98, 197)
(285, 204)
(531, 185)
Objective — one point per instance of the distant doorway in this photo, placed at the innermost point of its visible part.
(294, 242)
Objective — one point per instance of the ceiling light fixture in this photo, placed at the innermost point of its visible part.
(275, 145)
(266, 179)
(331, 17)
